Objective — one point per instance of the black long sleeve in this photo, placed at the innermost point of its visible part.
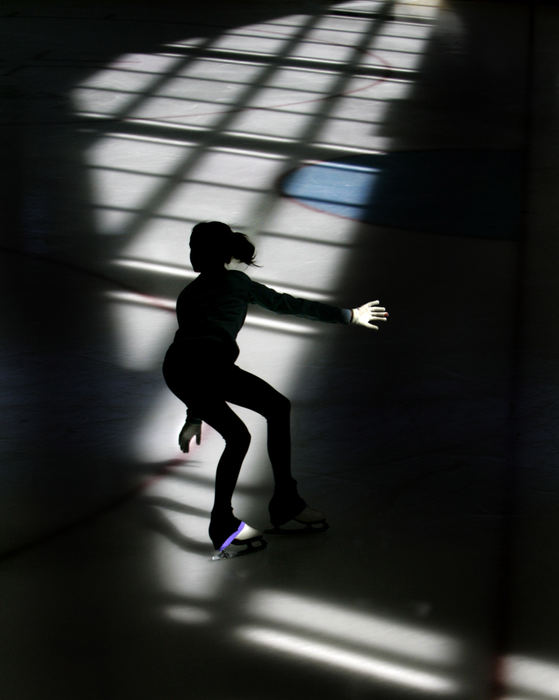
(286, 304)
(216, 305)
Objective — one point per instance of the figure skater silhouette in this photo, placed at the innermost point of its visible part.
(199, 368)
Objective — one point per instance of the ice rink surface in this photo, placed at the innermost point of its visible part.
(372, 149)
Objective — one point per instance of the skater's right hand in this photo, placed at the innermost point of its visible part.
(364, 315)
(188, 431)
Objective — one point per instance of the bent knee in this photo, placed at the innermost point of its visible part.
(238, 438)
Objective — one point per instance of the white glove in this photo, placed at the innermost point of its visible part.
(188, 431)
(364, 315)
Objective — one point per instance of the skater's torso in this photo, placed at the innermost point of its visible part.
(213, 308)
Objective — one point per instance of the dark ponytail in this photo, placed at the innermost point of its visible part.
(242, 249)
(213, 244)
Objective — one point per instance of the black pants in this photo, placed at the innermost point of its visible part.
(206, 382)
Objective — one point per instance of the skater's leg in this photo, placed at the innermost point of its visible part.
(237, 440)
(202, 392)
(249, 391)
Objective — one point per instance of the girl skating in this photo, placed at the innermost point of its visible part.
(200, 370)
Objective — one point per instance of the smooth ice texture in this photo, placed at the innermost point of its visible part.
(399, 150)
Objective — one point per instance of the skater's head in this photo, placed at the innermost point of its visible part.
(213, 245)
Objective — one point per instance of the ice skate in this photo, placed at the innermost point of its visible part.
(306, 521)
(245, 540)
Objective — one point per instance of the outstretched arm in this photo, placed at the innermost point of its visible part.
(369, 314)
(295, 306)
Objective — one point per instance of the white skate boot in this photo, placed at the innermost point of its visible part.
(245, 540)
(306, 521)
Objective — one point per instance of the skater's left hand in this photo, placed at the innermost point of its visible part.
(369, 314)
(189, 430)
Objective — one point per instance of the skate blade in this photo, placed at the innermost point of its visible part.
(240, 548)
(294, 527)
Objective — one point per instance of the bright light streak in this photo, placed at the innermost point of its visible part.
(139, 137)
(189, 614)
(355, 627)
(360, 5)
(526, 675)
(245, 136)
(363, 664)
(257, 152)
(254, 321)
(159, 268)
(178, 128)
(142, 300)
(176, 271)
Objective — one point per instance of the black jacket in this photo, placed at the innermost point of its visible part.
(215, 305)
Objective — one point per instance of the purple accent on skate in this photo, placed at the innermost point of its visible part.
(231, 537)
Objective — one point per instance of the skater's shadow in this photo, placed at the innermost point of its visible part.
(204, 480)
(156, 519)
